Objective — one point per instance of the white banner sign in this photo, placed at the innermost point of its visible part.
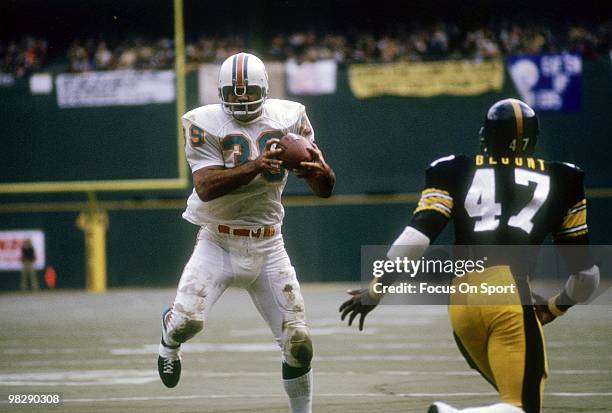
(208, 78)
(115, 88)
(317, 78)
(41, 83)
(208, 82)
(10, 248)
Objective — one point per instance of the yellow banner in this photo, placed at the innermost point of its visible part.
(425, 79)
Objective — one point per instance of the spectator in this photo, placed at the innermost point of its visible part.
(23, 57)
(29, 278)
(102, 57)
(78, 58)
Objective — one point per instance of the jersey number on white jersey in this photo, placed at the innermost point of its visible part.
(240, 145)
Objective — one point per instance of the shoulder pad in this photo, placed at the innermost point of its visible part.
(568, 173)
(209, 117)
(286, 112)
(572, 166)
(448, 165)
(567, 167)
(440, 160)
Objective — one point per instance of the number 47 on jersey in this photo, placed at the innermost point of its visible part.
(480, 200)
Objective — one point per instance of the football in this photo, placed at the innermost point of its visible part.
(294, 150)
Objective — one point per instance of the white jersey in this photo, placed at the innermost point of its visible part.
(215, 138)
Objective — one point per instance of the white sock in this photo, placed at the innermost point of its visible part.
(299, 391)
(169, 353)
(169, 341)
(495, 408)
(165, 336)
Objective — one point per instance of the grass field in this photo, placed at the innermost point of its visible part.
(100, 352)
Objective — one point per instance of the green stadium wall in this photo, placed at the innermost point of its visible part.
(377, 146)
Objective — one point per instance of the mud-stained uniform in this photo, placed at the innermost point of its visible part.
(240, 241)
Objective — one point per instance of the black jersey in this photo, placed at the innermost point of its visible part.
(503, 200)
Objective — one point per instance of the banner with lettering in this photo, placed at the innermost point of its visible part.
(426, 79)
(115, 88)
(549, 81)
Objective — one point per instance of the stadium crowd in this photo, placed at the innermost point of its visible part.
(416, 43)
(24, 56)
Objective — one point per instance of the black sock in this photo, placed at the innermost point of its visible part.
(169, 346)
(294, 372)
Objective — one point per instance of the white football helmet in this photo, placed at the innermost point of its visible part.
(243, 73)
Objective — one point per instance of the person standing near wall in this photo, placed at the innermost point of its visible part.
(28, 273)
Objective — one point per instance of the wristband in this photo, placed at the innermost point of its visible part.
(373, 294)
(556, 309)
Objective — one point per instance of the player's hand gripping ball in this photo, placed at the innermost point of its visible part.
(294, 150)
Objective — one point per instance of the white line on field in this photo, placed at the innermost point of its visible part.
(474, 373)
(388, 373)
(351, 395)
(146, 376)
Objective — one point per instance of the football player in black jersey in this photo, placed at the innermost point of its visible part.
(504, 195)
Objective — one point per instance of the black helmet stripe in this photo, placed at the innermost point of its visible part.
(518, 118)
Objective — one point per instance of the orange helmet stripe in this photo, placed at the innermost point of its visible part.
(240, 68)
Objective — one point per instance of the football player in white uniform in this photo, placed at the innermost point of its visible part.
(236, 201)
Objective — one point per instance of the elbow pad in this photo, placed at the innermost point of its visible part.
(580, 286)
(411, 244)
